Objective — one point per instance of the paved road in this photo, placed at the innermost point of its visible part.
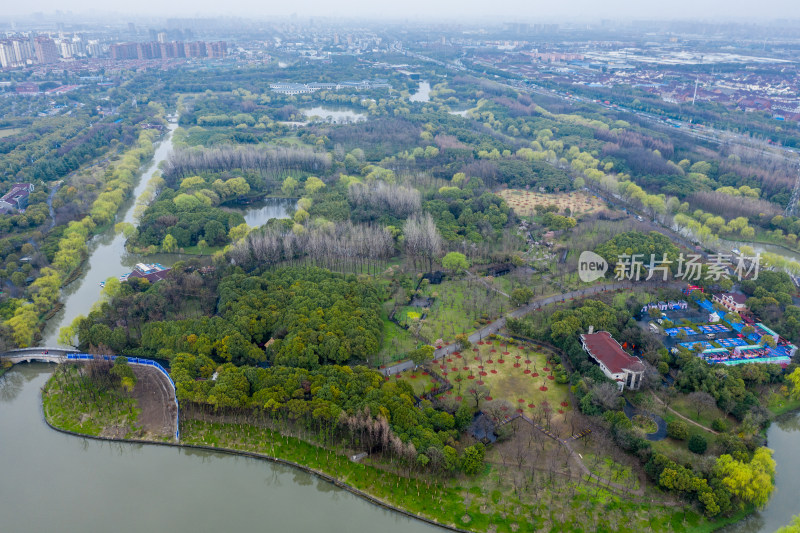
(661, 431)
(519, 312)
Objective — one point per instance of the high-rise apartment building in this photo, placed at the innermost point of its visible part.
(46, 51)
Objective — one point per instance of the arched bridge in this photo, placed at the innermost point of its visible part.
(40, 354)
(61, 355)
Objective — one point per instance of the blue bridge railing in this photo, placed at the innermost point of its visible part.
(137, 361)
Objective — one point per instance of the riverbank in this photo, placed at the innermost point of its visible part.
(49, 476)
(317, 466)
(454, 504)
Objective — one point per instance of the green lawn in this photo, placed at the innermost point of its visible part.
(396, 342)
(419, 379)
(460, 306)
(73, 402)
(508, 377)
(682, 404)
(8, 132)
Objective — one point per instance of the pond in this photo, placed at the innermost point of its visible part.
(462, 113)
(262, 211)
(333, 116)
(423, 93)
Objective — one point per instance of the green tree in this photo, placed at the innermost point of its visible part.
(794, 379)
(422, 354)
(450, 458)
(678, 429)
(793, 527)
(313, 184)
(455, 262)
(698, 444)
(472, 461)
(289, 186)
(521, 296)
(169, 244)
(751, 483)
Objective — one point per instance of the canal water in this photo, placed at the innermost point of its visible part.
(55, 482)
(108, 257)
(783, 437)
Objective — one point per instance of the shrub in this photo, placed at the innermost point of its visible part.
(698, 444)
(719, 424)
(677, 429)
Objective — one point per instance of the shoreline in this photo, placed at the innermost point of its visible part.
(707, 527)
(264, 457)
(726, 522)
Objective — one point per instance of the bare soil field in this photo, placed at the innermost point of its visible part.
(578, 202)
(156, 400)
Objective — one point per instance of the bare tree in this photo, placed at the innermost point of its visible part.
(701, 401)
(396, 199)
(269, 161)
(422, 238)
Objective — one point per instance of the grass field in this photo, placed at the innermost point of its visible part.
(524, 202)
(683, 405)
(396, 342)
(460, 306)
(8, 132)
(72, 402)
(419, 379)
(518, 375)
(607, 468)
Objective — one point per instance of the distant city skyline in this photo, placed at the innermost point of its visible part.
(502, 10)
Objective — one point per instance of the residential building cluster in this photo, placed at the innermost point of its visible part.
(168, 50)
(26, 50)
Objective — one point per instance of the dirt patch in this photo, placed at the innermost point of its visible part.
(578, 202)
(115, 432)
(156, 399)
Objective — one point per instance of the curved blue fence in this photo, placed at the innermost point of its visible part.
(138, 361)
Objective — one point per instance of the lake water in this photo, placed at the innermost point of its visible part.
(334, 116)
(56, 482)
(423, 93)
(259, 213)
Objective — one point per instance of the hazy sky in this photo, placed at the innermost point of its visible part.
(508, 10)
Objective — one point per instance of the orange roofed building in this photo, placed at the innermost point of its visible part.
(616, 363)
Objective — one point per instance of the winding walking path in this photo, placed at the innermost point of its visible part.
(676, 413)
